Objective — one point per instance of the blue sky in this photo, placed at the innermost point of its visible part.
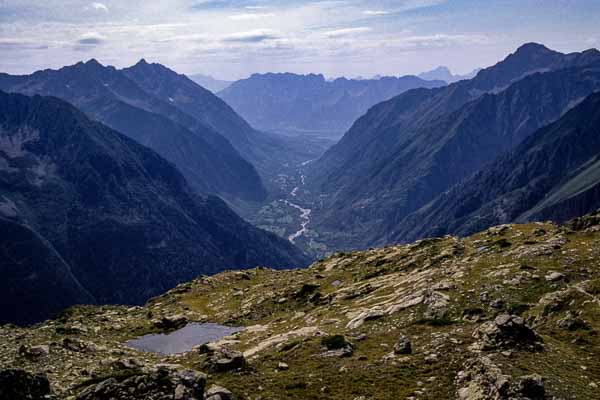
(231, 39)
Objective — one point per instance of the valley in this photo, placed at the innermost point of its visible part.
(266, 200)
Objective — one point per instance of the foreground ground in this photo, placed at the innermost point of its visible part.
(512, 312)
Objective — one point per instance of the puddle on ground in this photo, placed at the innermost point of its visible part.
(182, 340)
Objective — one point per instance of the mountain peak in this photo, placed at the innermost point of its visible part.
(532, 47)
(92, 62)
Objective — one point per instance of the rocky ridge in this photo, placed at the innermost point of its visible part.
(509, 313)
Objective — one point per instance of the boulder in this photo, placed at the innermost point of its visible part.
(34, 352)
(218, 393)
(555, 277)
(224, 359)
(78, 346)
(171, 322)
(22, 385)
(507, 332)
(436, 305)
(337, 346)
(403, 346)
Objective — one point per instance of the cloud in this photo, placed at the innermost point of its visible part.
(375, 12)
(347, 32)
(100, 7)
(91, 39)
(255, 36)
(248, 17)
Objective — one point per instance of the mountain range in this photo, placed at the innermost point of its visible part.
(210, 83)
(404, 152)
(296, 104)
(90, 216)
(553, 175)
(207, 159)
(442, 73)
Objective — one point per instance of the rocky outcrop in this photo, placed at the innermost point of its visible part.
(482, 379)
(507, 332)
(164, 382)
(17, 384)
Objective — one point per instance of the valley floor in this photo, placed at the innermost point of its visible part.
(511, 312)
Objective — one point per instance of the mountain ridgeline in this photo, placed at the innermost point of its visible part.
(296, 104)
(90, 216)
(553, 175)
(156, 117)
(407, 151)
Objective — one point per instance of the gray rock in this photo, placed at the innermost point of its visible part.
(171, 322)
(507, 332)
(34, 352)
(555, 276)
(224, 359)
(403, 346)
(218, 393)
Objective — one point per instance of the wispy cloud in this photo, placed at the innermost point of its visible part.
(347, 32)
(254, 36)
(100, 7)
(376, 12)
(248, 17)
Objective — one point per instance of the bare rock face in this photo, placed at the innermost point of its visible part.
(507, 332)
(481, 379)
(19, 384)
(162, 382)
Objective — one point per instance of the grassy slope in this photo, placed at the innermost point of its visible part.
(508, 263)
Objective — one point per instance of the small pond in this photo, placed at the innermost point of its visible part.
(182, 340)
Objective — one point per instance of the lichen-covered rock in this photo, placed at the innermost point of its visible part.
(507, 332)
(17, 384)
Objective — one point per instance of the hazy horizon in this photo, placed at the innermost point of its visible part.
(231, 39)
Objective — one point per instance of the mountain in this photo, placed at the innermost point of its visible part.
(406, 151)
(442, 73)
(199, 103)
(210, 83)
(509, 313)
(268, 153)
(89, 215)
(207, 159)
(554, 174)
(291, 103)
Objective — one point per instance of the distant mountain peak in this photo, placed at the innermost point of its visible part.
(533, 47)
(92, 62)
(443, 73)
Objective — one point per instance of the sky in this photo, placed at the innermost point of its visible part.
(231, 39)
